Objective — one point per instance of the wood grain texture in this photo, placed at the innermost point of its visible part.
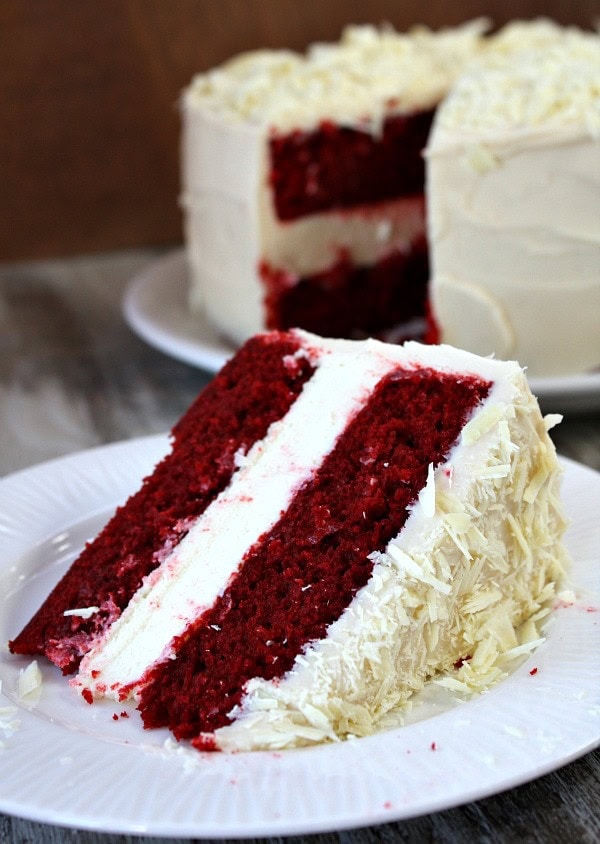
(88, 96)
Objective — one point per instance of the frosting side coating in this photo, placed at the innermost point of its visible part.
(489, 516)
(513, 198)
(179, 590)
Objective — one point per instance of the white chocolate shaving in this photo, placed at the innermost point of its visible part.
(358, 80)
(29, 684)
(8, 722)
(456, 588)
(83, 612)
(551, 420)
(530, 74)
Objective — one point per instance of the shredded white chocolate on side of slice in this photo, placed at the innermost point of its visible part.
(468, 591)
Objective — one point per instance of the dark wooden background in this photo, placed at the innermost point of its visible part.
(89, 123)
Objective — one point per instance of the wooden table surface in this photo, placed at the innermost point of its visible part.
(72, 376)
(90, 132)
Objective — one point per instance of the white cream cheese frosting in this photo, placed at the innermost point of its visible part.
(478, 557)
(229, 220)
(513, 198)
(262, 488)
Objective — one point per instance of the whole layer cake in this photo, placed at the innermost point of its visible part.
(308, 200)
(337, 522)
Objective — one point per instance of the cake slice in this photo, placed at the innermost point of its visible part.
(303, 182)
(337, 522)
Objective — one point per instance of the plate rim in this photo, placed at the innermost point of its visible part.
(146, 286)
(152, 447)
(162, 334)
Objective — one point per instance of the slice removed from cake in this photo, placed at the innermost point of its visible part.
(303, 182)
(338, 522)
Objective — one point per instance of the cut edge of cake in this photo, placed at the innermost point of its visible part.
(491, 512)
(460, 590)
(233, 114)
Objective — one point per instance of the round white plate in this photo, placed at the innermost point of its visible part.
(95, 767)
(156, 308)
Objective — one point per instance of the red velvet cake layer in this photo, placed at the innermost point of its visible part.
(253, 390)
(350, 301)
(303, 573)
(342, 167)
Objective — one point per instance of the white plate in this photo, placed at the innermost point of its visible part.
(73, 764)
(155, 307)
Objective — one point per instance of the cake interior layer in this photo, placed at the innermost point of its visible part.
(348, 300)
(341, 167)
(254, 389)
(301, 574)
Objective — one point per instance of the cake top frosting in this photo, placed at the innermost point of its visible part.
(531, 76)
(552, 78)
(368, 73)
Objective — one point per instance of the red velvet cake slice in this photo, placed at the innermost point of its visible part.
(379, 514)
(235, 411)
